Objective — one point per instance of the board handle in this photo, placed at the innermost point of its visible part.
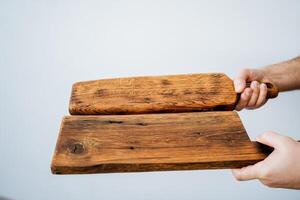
(272, 89)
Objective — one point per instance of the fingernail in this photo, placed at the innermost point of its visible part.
(238, 84)
(263, 86)
(255, 84)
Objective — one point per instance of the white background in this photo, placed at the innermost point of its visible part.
(45, 46)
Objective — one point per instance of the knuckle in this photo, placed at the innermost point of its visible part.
(266, 134)
(286, 141)
(238, 177)
(269, 184)
(251, 73)
(243, 74)
(265, 174)
(236, 174)
(244, 70)
(272, 182)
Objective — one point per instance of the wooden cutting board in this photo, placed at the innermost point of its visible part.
(156, 94)
(154, 142)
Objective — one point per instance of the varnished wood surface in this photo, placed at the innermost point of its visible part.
(153, 142)
(153, 94)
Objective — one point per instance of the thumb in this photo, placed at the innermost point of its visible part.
(240, 80)
(271, 139)
(254, 171)
(247, 173)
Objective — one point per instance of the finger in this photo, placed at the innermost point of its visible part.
(271, 139)
(246, 173)
(262, 98)
(240, 80)
(245, 96)
(255, 88)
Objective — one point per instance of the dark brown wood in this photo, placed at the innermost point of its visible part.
(156, 94)
(153, 142)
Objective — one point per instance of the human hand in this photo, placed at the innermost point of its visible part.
(256, 95)
(281, 169)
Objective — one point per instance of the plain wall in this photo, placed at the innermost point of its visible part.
(45, 46)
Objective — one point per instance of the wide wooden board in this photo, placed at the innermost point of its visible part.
(153, 142)
(154, 94)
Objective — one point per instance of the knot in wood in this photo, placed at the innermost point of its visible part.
(76, 148)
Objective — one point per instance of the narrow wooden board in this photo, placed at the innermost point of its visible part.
(157, 94)
(153, 142)
(153, 94)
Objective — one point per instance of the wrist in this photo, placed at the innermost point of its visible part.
(274, 76)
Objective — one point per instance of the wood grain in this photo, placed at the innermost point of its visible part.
(153, 142)
(154, 94)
